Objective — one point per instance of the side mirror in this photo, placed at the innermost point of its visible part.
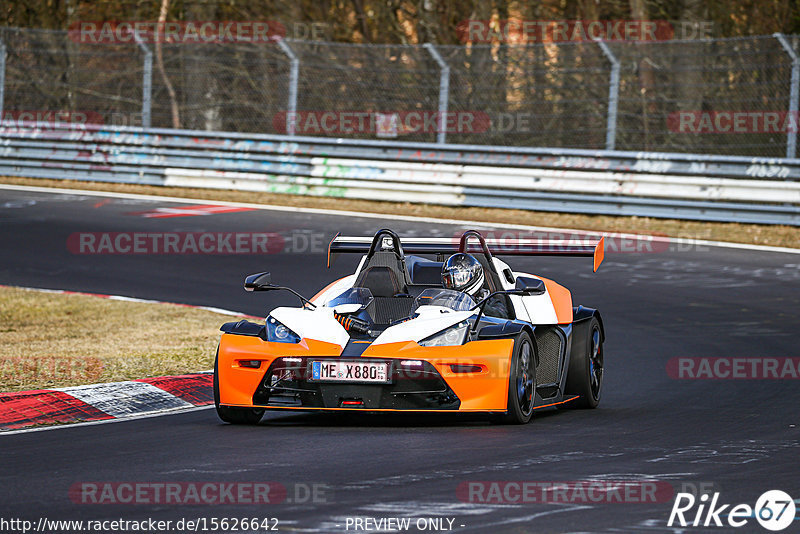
(258, 282)
(492, 331)
(529, 286)
(501, 330)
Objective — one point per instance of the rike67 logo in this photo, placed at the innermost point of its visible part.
(774, 510)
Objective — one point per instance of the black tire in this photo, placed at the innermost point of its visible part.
(585, 375)
(234, 416)
(521, 383)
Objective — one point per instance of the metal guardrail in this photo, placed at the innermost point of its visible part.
(684, 186)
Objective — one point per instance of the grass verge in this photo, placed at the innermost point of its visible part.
(54, 340)
(772, 235)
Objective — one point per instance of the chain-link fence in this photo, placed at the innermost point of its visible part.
(724, 96)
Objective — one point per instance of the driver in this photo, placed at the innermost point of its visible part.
(462, 272)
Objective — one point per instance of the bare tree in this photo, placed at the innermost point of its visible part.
(173, 101)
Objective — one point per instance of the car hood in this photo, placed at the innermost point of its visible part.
(319, 324)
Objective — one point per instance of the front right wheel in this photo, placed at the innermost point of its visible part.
(521, 383)
(585, 375)
(230, 414)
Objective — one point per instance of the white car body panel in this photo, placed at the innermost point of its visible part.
(336, 289)
(519, 308)
(539, 308)
(430, 321)
(320, 324)
(317, 324)
(502, 266)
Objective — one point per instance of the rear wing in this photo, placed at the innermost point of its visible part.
(388, 240)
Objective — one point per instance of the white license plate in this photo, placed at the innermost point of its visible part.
(333, 371)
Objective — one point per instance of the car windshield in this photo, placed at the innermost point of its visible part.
(447, 298)
(354, 295)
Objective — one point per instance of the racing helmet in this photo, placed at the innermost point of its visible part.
(462, 272)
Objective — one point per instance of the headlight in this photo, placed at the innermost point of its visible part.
(278, 332)
(455, 335)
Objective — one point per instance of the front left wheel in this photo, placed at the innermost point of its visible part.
(521, 383)
(229, 414)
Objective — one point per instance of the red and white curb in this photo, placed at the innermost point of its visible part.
(98, 402)
(189, 211)
(112, 400)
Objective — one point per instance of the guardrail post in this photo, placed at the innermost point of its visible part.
(444, 91)
(791, 136)
(294, 75)
(2, 75)
(613, 96)
(147, 81)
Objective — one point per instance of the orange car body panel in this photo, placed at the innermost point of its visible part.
(599, 253)
(236, 383)
(561, 299)
(482, 391)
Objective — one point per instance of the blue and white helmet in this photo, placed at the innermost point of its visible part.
(462, 272)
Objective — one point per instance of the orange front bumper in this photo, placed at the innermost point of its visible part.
(485, 390)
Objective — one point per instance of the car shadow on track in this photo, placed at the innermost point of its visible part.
(385, 420)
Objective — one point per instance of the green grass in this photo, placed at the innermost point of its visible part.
(54, 340)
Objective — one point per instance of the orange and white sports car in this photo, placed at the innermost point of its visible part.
(391, 337)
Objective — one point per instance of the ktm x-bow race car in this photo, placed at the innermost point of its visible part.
(393, 337)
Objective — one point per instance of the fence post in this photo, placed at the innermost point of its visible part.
(2, 75)
(613, 96)
(444, 91)
(147, 81)
(294, 75)
(791, 136)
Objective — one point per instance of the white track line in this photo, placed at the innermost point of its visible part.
(409, 218)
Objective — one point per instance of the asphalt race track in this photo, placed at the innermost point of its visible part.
(736, 437)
